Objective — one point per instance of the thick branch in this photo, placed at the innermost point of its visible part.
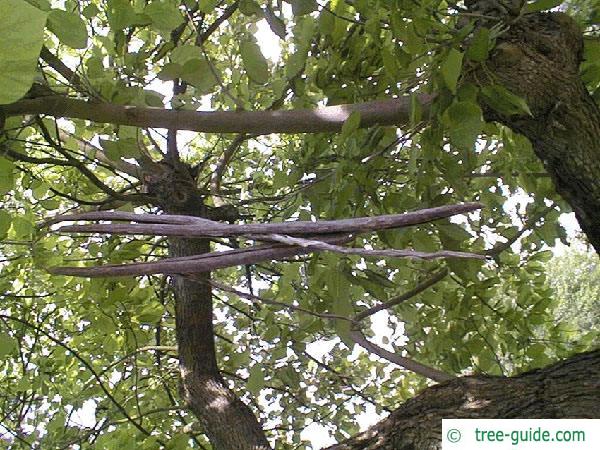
(203, 389)
(538, 59)
(205, 262)
(163, 226)
(325, 119)
(568, 389)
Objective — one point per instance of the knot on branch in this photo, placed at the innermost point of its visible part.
(174, 189)
(536, 58)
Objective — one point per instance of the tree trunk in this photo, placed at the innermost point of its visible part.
(228, 423)
(538, 59)
(568, 389)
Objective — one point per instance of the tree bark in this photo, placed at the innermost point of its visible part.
(538, 59)
(568, 389)
(228, 423)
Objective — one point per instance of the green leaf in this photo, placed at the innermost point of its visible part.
(68, 27)
(256, 380)
(504, 101)
(415, 110)
(390, 63)
(5, 221)
(151, 313)
(351, 124)
(295, 63)
(121, 15)
(249, 7)
(7, 344)
(254, 62)
(207, 6)
(179, 442)
(302, 7)
(451, 68)
(121, 148)
(170, 71)
(22, 227)
(21, 39)
(479, 47)
(153, 98)
(276, 25)
(541, 5)
(464, 123)
(90, 11)
(184, 53)
(165, 15)
(198, 73)
(6, 174)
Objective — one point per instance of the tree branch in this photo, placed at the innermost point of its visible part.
(72, 78)
(316, 244)
(217, 175)
(429, 372)
(326, 119)
(165, 225)
(435, 278)
(530, 224)
(96, 153)
(205, 262)
(202, 37)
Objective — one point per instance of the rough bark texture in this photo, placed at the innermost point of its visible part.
(538, 59)
(228, 423)
(569, 389)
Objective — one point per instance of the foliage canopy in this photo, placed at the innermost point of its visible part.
(109, 343)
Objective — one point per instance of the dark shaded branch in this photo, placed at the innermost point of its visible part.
(227, 13)
(72, 78)
(217, 175)
(83, 169)
(18, 156)
(530, 224)
(435, 278)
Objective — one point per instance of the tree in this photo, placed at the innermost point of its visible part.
(574, 276)
(378, 109)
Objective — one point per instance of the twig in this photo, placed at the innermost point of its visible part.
(217, 175)
(435, 278)
(266, 301)
(500, 247)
